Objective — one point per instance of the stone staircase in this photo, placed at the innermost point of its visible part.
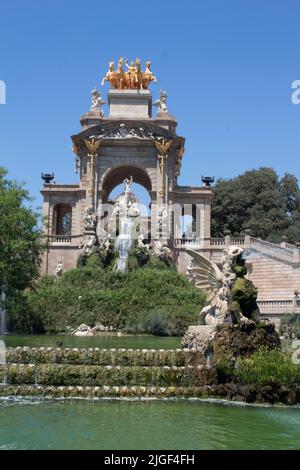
(274, 269)
(101, 373)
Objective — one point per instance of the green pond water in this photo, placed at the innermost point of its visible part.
(121, 424)
(105, 341)
(145, 425)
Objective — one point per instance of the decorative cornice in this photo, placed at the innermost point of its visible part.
(125, 130)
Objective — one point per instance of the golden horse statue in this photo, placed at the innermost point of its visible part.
(111, 76)
(133, 78)
(138, 75)
(148, 76)
(120, 74)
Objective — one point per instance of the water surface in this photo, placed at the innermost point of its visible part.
(145, 425)
(105, 341)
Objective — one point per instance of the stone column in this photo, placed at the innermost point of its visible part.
(176, 220)
(200, 222)
(207, 220)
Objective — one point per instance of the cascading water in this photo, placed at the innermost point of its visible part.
(124, 242)
(3, 314)
(126, 206)
(3, 381)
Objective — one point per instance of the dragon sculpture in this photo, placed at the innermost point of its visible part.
(231, 297)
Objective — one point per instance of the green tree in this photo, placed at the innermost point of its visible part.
(259, 203)
(20, 238)
(291, 193)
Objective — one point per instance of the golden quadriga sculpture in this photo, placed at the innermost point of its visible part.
(133, 79)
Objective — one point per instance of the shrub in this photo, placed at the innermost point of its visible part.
(154, 322)
(290, 325)
(267, 366)
(159, 301)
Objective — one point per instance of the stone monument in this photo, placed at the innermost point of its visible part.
(128, 140)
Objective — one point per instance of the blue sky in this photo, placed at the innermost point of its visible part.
(227, 66)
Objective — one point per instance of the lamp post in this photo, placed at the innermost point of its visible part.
(48, 178)
(208, 181)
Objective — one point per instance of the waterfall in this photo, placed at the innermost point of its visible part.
(2, 353)
(3, 315)
(36, 376)
(3, 362)
(124, 242)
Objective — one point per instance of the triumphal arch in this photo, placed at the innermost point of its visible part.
(134, 142)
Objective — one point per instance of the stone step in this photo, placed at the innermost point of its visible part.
(96, 356)
(105, 392)
(111, 375)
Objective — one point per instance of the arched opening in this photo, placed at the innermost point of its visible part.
(62, 220)
(141, 187)
(188, 221)
(116, 176)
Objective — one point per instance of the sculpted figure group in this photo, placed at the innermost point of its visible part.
(133, 78)
(231, 296)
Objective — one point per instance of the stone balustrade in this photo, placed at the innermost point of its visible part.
(64, 239)
(275, 306)
(284, 251)
(272, 248)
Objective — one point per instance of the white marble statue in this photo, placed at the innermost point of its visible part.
(116, 209)
(140, 242)
(89, 218)
(190, 272)
(89, 248)
(161, 103)
(59, 269)
(217, 284)
(107, 244)
(162, 217)
(127, 183)
(97, 102)
(161, 250)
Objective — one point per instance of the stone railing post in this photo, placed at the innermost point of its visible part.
(296, 256)
(247, 241)
(227, 240)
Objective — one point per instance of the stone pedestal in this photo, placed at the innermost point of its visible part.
(91, 118)
(199, 338)
(130, 104)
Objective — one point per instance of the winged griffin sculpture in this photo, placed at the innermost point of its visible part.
(231, 297)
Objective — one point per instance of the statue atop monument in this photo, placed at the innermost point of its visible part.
(97, 101)
(161, 103)
(127, 184)
(133, 79)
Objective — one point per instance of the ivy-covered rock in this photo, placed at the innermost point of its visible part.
(235, 341)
